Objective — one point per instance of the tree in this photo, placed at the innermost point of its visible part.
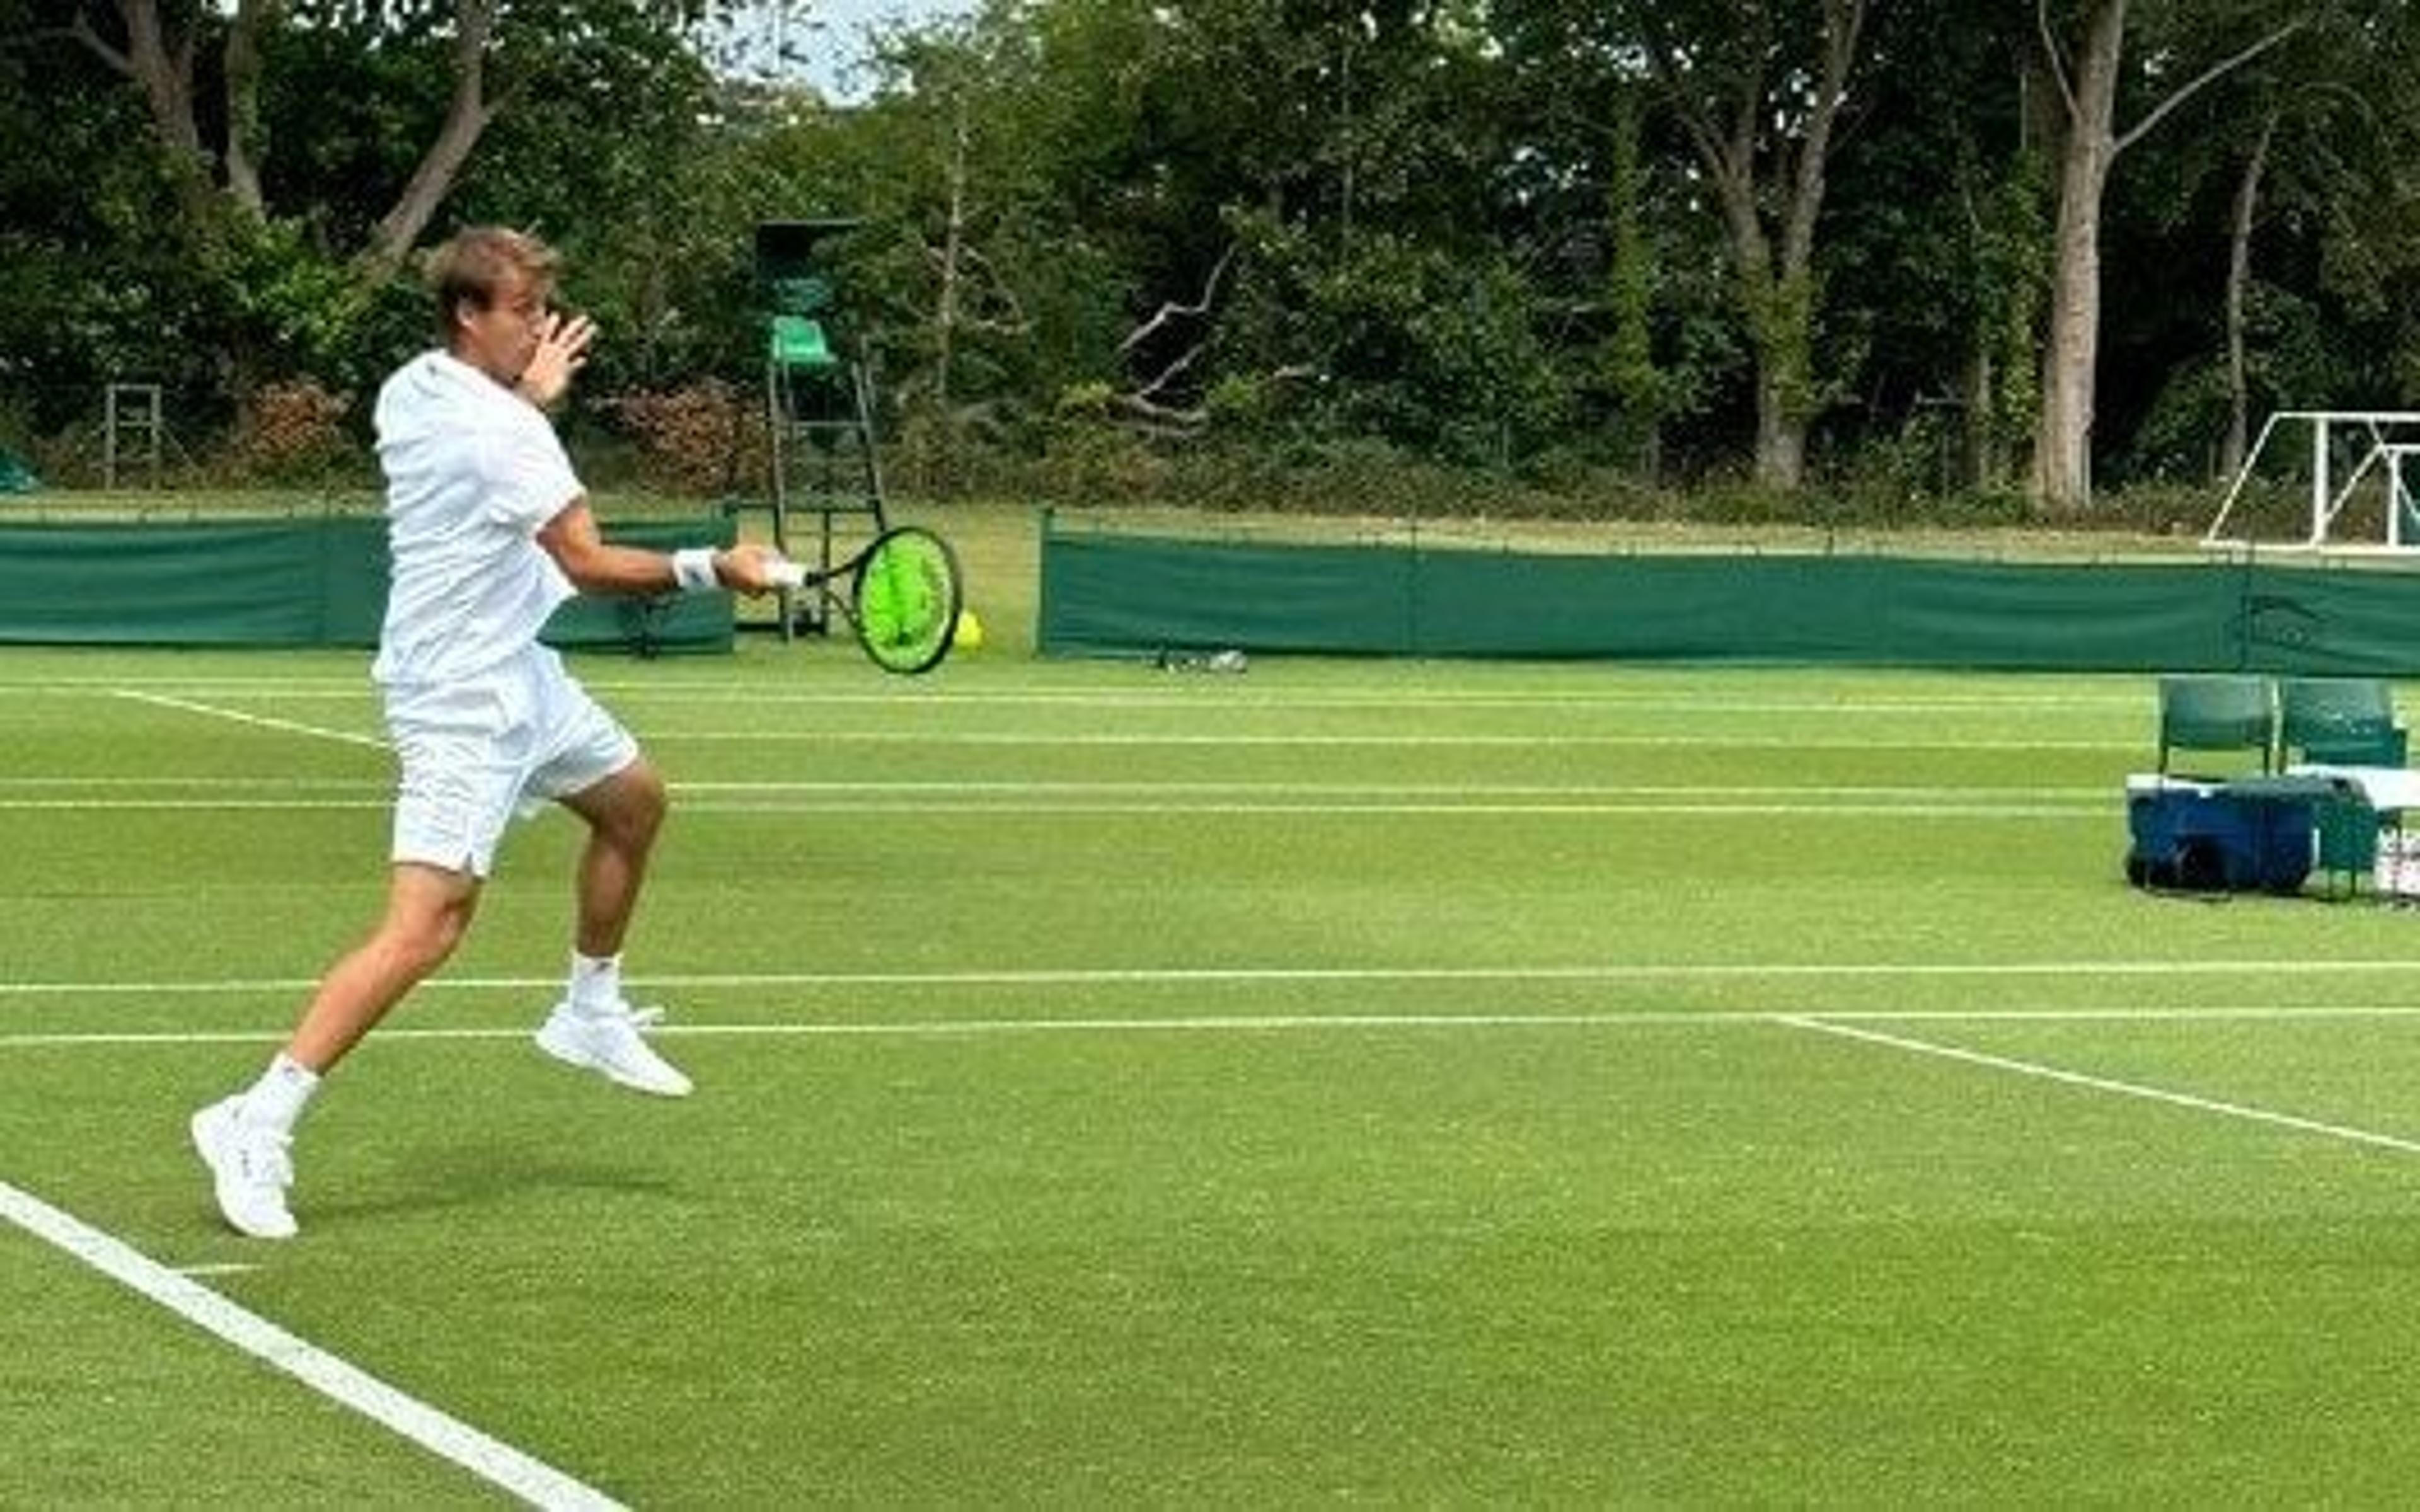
(1597, 197)
(2087, 76)
(1934, 263)
(996, 293)
(2335, 129)
(274, 265)
(1760, 96)
(88, 278)
(1645, 391)
(208, 81)
(160, 50)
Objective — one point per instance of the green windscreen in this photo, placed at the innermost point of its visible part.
(1104, 593)
(310, 581)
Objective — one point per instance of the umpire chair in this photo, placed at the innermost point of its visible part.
(819, 414)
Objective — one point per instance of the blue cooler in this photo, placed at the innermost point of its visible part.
(2200, 836)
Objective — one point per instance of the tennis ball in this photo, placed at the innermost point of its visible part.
(969, 634)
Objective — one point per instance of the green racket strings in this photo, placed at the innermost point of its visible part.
(903, 598)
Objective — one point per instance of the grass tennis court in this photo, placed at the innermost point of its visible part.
(1384, 1082)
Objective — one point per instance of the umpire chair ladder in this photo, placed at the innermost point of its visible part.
(819, 414)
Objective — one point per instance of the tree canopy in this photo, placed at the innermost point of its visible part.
(1943, 245)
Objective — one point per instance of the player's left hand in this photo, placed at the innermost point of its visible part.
(562, 349)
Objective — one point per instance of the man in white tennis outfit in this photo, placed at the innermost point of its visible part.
(489, 531)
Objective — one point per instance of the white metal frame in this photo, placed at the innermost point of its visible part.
(2386, 437)
(137, 411)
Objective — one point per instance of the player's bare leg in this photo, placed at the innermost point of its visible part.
(622, 814)
(428, 910)
(594, 1028)
(244, 1140)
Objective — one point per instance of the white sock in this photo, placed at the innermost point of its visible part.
(596, 983)
(277, 1100)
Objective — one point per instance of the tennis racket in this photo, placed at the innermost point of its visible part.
(901, 595)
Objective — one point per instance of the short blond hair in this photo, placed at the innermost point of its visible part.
(473, 265)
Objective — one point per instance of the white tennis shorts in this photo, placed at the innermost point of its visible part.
(474, 755)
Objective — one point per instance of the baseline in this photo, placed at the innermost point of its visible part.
(1648, 971)
(1271, 1024)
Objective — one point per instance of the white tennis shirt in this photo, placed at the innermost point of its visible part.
(473, 471)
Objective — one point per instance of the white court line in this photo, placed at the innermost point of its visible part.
(1193, 976)
(132, 795)
(1249, 1024)
(1400, 790)
(946, 1028)
(492, 1459)
(720, 691)
(1232, 696)
(1948, 809)
(1109, 808)
(822, 736)
(181, 804)
(1828, 1024)
(999, 739)
(181, 784)
(238, 716)
(1089, 788)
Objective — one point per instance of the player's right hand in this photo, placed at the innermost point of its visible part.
(749, 568)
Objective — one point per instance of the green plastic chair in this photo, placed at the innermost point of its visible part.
(797, 344)
(2217, 712)
(2341, 721)
(797, 340)
(805, 295)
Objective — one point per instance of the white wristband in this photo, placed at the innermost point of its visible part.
(693, 569)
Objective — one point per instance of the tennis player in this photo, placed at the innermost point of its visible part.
(489, 531)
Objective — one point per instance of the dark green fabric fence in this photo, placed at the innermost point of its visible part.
(288, 583)
(1106, 595)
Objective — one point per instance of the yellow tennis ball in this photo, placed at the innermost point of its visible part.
(969, 634)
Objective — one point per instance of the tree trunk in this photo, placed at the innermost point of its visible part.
(1780, 434)
(2062, 475)
(161, 68)
(1774, 275)
(953, 239)
(2239, 284)
(467, 114)
(1641, 393)
(165, 76)
(1981, 464)
(2063, 442)
(1781, 318)
(1780, 440)
(247, 145)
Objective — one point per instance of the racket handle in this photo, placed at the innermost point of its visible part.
(786, 574)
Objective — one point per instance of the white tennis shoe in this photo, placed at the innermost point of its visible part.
(609, 1045)
(250, 1169)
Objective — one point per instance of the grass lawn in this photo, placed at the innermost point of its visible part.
(1397, 1082)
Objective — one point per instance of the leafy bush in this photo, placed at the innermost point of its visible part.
(293, 432)
(703, 438)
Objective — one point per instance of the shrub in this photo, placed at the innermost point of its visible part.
(293, 431)
(704, 438)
